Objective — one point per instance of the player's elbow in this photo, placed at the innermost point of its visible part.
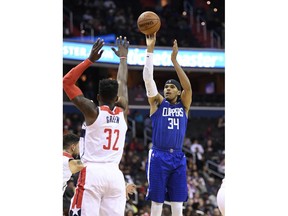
(67, 84)
(66, 81)
(187, 89)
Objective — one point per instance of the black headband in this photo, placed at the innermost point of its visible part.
(174, 82)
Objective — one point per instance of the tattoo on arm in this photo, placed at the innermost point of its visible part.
(79, 162)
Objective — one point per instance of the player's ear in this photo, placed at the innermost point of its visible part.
(73, 147)
(179, 92)
(117, 98)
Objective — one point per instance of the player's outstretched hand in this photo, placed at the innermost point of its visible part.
(150, 42)
(96, 51)
(174, 51)
(122, 45)
(130, 189)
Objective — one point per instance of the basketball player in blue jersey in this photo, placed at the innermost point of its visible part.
(166, 164)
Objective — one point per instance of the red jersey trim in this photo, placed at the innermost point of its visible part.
(78, 197)
(67, 155)
(115, 111)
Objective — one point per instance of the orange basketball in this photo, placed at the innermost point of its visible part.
(148, 23)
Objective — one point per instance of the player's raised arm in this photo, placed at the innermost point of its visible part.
(122, 74)
(85, 105)
(154, 98)
(186, 95)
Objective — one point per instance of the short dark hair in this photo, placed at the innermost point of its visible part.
(70, 139)
(108, 89)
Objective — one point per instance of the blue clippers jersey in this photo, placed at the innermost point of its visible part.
(169, 125)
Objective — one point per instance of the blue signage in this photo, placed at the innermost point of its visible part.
(194, 58)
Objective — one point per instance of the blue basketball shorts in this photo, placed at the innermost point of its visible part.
(166, 175)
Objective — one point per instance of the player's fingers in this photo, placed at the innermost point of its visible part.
(125, 40)
(152, 36)
(126, 45)
(100, 53)
(97, 42)
(117, 41)
(100, 45)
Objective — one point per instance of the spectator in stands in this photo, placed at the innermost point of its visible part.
(141, 200)
(211, 186)
(209, 148)
(221, 122)
(198, 159)
(206, 174)
(130, 206)
(199, 182)
(87, 16)
(196, 145)
(191, 187)
(197, 154)
(197, 201)
(129, 212)
(188, 210)
(109, 4)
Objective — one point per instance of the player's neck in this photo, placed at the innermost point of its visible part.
(111, 106)
(174, 101)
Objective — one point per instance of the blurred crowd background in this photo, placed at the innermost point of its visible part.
(195, 23)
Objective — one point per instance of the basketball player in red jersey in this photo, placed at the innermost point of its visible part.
(70, 152)
(101, 185)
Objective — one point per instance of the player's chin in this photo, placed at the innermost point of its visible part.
(169, 97)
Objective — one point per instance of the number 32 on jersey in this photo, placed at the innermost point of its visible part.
(111, 135)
